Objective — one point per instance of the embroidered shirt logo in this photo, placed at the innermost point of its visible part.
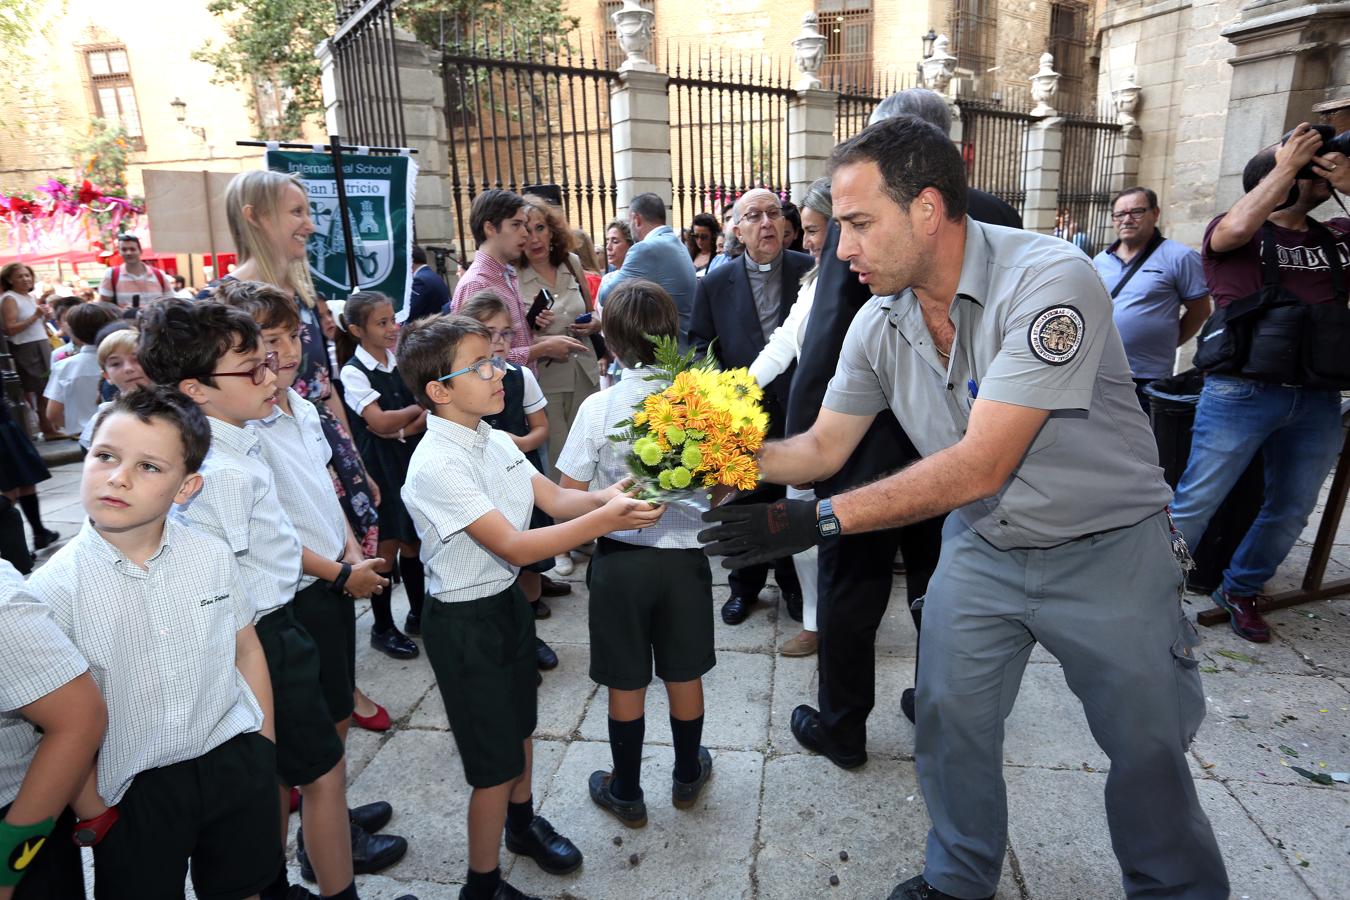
(207, 601)
(1056, 334)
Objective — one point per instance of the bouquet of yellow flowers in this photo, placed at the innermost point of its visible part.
(700, 432)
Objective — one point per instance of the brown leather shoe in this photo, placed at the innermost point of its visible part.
(1247, 622)
(803, 644)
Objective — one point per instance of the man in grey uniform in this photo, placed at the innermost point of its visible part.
(995, 349)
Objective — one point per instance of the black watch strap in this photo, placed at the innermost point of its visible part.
(340, 582)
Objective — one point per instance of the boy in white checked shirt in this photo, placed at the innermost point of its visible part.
(214, 355)
(52, 719)
(186, 772)
(470, 492)
(334, 569)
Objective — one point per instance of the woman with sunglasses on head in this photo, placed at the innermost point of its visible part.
(702, 242)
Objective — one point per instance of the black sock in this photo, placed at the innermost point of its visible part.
(279, 888)
(625, 744)
(519, 816)
(379, 606)
(686, 735)
(414, 582)
(32, 512)
(482, 885)
(349, 893)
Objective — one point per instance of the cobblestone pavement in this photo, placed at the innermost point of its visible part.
(774, 819)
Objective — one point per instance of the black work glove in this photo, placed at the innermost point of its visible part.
(755, 533)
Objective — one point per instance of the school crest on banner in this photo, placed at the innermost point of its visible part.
(380, 200)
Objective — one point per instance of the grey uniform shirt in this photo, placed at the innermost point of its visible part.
(591, 456)
(456, 476)
(238, 503)
(36, 658)
(294, 447)
(160, 642)
(766, 285)
(1033, 328)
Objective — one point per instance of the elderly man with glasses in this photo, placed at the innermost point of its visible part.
(1157, 288)
(737, 306)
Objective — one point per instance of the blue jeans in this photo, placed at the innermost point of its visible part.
(1298, 431)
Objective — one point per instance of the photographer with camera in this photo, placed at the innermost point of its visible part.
(1274, 354)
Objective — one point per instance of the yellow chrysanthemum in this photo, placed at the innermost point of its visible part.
(742, 384)
(662, 413)
(739, 471)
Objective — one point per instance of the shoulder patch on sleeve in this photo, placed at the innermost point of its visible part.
(1056, 334)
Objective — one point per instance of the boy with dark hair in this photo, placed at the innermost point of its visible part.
(470, 492)
(72, 390)
(334, 570)
(52, 718)
(184, 778)
(650, 590)
(214, 355)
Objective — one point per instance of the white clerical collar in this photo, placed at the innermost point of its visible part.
(761, 267)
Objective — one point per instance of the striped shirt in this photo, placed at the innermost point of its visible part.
(486, 274)
(36, 658)
(456, 477)
(160, 641)
(295, 448)
(238, 503)
(591, 456)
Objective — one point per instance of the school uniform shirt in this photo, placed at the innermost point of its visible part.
(36, 658)
(458, 475)
(87, 435)
(295, 448)
(74, 383)
(238, 503)
(357, 390)
(160, 642)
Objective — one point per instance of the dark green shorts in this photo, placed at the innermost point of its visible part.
(218, 810)
(330, 619)
(649, 604)
(482, 652)
(56, 871)
(307, 740)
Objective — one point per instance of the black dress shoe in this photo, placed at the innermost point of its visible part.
(736, 609)
(632, 813)
(793, 600)
(554, 853)
(544, 655)
(504, 892)
(684, 795)
(541, 610)
(550, 588)
(45, 538)
(808, 731)
(918, 889)
(372, 816)
(371, 853)
(907, 704)
(412, 624)
(393, 643)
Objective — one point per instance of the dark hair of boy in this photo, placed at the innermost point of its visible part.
(85, 320)
(186, 338)
(167, 404)
(635, 310)
(116, 325)
(63, 305)
(357, 310)
(493, 205)
(483, 306)
(270, 307)
(427, 347)
(912, 155)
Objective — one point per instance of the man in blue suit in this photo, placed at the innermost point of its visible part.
(429, 292)
(736, 308)
(659, 255)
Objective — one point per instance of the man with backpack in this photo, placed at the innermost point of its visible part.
(133, 278)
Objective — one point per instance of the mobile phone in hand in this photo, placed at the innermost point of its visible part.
(542, 301)
(584, 319)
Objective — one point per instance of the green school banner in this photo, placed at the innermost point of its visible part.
(380, 204)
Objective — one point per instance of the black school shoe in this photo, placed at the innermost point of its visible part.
(632, 813)
(541, 842)
(918, 889)
(907, 704)
(544, 657)
(685, 795)
(735, 610)
(793, 601)
(550, 588)
(300, 892)
(412, 624)
(504, 892)
(808, 731)
(371, 817)
(394, 643)
(371, 853)
(45, 538)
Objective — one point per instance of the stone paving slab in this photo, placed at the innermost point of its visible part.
(1316, 846)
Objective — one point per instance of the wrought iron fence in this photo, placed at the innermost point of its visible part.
(1085, 180)
(366, 69)
(728, 119)
(857, 98)
(527, 110)
(993, 144)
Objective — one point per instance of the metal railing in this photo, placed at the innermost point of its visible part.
(993, 143)
(1085, 189)
(366, 68)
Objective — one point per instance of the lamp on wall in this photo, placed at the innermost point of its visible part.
(928, 41)
(180, 113)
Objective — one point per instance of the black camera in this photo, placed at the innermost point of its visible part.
(1331, 143)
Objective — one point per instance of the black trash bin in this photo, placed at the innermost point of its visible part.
(1172, 410)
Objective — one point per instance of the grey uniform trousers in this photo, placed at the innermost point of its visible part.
(1107, 606)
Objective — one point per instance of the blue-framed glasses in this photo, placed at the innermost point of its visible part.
(484, 369)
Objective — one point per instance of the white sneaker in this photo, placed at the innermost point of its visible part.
(563, 565)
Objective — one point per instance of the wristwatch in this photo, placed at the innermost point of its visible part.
(826, 521)
(89, 832)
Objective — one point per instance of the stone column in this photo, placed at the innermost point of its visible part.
(1124, 168)
(639, 115)
(811, 116)
(1040, 173)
